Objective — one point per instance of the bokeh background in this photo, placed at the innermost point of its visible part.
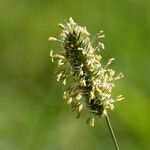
(33, 115)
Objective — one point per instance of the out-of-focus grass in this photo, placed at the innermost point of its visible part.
(33, 115)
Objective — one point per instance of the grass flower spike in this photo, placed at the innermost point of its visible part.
(88, 83)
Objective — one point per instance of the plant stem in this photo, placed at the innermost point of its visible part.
(112, 132)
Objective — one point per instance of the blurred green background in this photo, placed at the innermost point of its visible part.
(33, 115)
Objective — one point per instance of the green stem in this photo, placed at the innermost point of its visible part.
(112, 132)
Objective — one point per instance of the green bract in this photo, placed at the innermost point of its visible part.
(91, 83)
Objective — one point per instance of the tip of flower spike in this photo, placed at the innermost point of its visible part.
(71, 21)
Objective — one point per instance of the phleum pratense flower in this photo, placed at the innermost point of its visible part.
(89, 83)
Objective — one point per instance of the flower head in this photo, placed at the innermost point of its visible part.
(91, 83)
